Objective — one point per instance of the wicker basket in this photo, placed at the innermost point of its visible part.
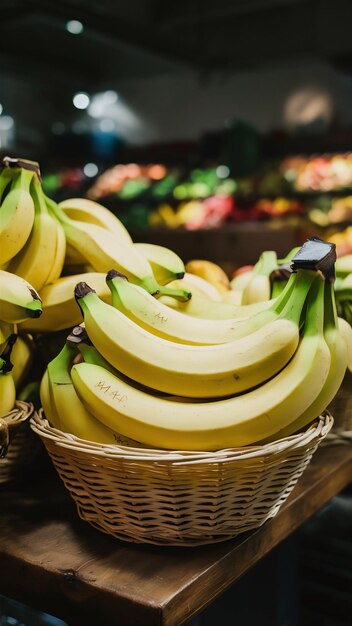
(179, 498)
(341, 408)
(19, 445)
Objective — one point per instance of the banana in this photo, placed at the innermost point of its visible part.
(165, 263)
(18, 299)
(232, 297)
(36, 260)
(91, 355)
(73, 416)
(334, 335)
(22, 359)
(154, 316)
(258, 288)
(197, 286)
(60, 255)
(346, 331)
(236, 421)
(6, 176)
(73, 257)
(16, 216)
(6, 330)
(102, 251)
(238, 283)
(7, 385)
(46, 401)
(60, 309)
(264, 346)
(211, 272)
(84, 210)
(202, 308)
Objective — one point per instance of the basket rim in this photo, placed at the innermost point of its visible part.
(309, 435)
(19, 414)
(11, 421)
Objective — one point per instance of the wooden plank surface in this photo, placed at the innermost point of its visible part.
(51, 560)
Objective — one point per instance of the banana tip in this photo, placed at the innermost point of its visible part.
(115, 274)
(82, 290)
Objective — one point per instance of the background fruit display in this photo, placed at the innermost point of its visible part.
(157, 195)
(132, 346)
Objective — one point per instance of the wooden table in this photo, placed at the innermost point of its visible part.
(51, 560)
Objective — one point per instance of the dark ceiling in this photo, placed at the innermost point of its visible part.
(141, 38)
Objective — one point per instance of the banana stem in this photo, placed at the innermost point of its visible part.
(303, 283)
(314, 314)
(7, 175)
(23, 180)
(183, 295)
(60, 365)
(57, 211)
(330, 311)
(38, 196)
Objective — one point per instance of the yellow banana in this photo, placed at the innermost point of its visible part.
(84, 210)
(18, 299)
(22, 358)
(72, 414)
(201, 307)
(7, 393)
(154, 316)
(60, 255)
(47, 403)
(346, 331)
(100, 249)
(265, 345)
(7, 385)
(198, 286)
(16, 216)
(36, 259)
(165, 263)
(236, 421)
(6, 330)
(258, 289)
(336, 342)
(60, 309)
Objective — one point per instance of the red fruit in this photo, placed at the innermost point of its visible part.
(242, 270)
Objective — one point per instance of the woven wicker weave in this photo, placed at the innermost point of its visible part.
(179, 498)
(22, 444)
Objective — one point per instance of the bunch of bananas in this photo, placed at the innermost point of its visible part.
(151, 374)
(52, 246)
(18, 302)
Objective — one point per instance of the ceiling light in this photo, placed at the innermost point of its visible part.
(74, 27)
(81, 100)
(90, 170)
(222, 171)
(1, 109)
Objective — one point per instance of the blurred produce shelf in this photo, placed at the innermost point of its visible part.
(206, 212)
